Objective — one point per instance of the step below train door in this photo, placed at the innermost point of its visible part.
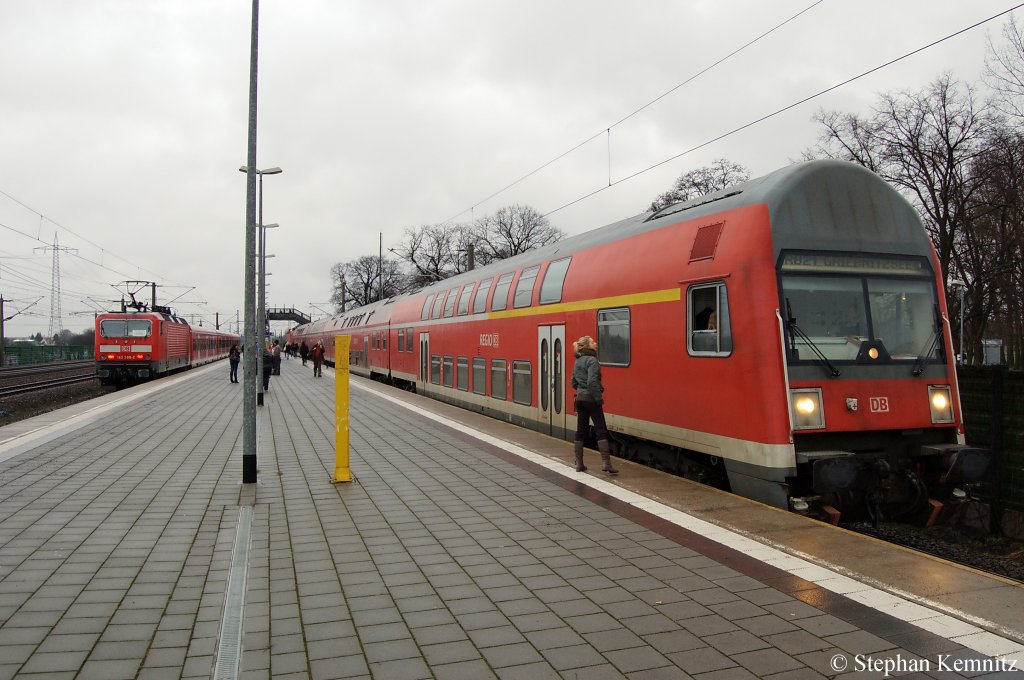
(551, 379)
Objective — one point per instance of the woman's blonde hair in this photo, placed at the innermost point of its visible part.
(586, 342)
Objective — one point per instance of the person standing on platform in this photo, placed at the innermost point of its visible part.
(234, 356)
(586, 380)
(268, 367)
(318, 357)
(276, 350)
(303, 352)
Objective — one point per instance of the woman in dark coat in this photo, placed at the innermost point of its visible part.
(586, 380)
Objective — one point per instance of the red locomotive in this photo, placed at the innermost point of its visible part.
(786, 337)
(132, 346)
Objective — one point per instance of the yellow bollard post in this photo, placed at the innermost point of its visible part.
(342, 472)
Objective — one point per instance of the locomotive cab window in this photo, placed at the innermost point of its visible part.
(613, 336)
(709, 329)
(859, 308)
(126, 328)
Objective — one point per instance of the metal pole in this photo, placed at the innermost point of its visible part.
(260, 320)
(250, 355)
(963, 358)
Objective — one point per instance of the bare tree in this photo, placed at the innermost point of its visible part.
(432, 250)
(510, 231)
(720, 174)
(358, 282)
(1004, 70)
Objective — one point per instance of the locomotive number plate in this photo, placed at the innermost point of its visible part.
(879, 404)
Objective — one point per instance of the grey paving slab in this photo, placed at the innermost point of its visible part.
(442, 559)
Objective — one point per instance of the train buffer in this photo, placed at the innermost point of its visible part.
(287, 314)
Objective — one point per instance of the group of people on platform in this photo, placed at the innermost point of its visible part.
(272, 359)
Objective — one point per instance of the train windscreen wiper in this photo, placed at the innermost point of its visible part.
(934, 338)
(796, 330)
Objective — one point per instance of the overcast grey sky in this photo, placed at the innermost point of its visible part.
(123, 122)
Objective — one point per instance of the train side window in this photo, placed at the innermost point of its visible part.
(449, 302)
(435, 369)
(401, 339)
(524, 287)
(435, 313)
(467, 292)
(425, 314)
(499, 379)
(479, 375)
(447, 371)
(500, 299)
(462, 373)
(480, 301)
(554, 279)
(522, 382)
(708, 326)
(613, 343)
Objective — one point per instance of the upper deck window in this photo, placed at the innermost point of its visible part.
(524, 287)
(500, 299)
(467, 292)
(126, 328)
(449, 303)
(480, 301)
(425, 314)
(438, 302)
(554, 279)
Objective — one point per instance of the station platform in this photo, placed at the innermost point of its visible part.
(464, 548)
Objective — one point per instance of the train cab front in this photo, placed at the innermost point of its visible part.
(124, 351)
(874, 408)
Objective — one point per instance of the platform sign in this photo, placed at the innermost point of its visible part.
(342, 471)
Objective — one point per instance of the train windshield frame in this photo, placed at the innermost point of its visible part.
(126, 328)
(837, 304)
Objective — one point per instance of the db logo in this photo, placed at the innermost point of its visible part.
(879, 404)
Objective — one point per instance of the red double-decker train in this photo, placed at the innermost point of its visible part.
(787, 337)
(132, 347)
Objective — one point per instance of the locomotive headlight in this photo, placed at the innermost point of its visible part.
(806, 408)
(940, 400)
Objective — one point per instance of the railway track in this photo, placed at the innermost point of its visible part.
(22, 380)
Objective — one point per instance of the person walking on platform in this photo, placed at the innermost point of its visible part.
(318, 358)
(276, 350)
(234, 356)
(586, 380)
(303, 352)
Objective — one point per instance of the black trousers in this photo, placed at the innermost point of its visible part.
(587, 411)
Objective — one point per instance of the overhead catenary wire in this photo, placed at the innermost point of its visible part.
(608, 128)
(783, 109)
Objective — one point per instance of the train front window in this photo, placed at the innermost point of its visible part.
(832, 316)
(126, 328)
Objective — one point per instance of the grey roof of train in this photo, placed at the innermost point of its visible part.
(794, 195)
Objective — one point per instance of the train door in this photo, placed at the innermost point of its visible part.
(551, 379)
(424, 359)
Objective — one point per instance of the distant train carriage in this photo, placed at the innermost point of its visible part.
(786, 337)
(133, 347)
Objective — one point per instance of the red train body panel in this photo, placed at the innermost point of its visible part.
(136, 346)
(789, 335)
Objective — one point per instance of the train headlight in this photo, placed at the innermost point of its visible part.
(806, 407)
(940, 400)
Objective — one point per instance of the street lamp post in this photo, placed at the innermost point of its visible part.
(261, 320)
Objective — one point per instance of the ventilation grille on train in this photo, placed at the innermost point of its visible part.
(706, 242)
